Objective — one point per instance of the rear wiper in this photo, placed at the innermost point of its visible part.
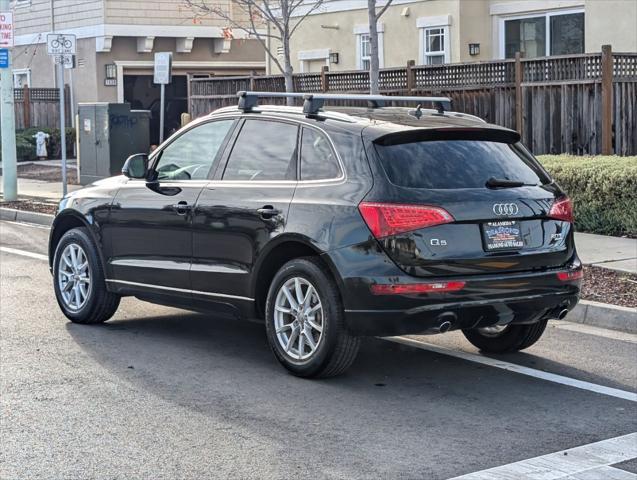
(506, 183)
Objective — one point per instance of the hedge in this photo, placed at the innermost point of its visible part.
(603, 190)
(25, 143)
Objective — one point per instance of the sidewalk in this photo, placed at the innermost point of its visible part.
(40, 190)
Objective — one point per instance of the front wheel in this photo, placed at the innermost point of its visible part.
(505, 338)
(305, 321)
(78, 280)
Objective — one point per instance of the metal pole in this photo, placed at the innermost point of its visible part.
(9, 162)
(161, 114)
(60, 68)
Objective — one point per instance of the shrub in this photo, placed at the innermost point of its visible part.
(603, 190)
(25, 143)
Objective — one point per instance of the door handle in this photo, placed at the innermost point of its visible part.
(182, 207)
(268, 211)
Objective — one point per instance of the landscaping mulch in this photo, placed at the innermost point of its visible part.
(609, 286)
(31, 206)
(47, 173)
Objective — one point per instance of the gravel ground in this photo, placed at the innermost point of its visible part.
(609, 286)
(46, 173)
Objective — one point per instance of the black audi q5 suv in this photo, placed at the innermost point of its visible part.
(330, 224)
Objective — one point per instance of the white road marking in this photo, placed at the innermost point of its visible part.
(591, 330)
(24, 253)
(574, 463)
(512, 367)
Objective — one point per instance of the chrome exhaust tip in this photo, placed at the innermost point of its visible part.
(562, 314)
(444, 327)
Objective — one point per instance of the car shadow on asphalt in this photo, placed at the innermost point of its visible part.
(224, 369)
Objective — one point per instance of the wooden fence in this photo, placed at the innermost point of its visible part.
(39, 107)
(580, 104)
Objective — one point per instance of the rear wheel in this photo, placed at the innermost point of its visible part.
(505, 338)
(305, 321)
(78, 280)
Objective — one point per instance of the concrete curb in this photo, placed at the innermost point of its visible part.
(603, 315)
(26, 216)
(612, 317)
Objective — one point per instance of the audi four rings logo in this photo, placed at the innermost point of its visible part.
(505, 209)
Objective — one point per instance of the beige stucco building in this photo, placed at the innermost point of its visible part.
(116, 43)
(450, 31)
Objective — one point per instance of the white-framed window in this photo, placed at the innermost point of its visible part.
(434, 40)
(559, 32)
(435, 45)
(364, 46)
(21, 78)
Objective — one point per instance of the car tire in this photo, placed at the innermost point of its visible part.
(312, 352)
(510, 339)
(78, 280)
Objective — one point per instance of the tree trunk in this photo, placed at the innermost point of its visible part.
(288, 70)
(373, 43)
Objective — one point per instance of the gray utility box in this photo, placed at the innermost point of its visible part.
(108, 133)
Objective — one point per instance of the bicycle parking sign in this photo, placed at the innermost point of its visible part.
(60, 44)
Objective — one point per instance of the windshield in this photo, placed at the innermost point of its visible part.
(451, 164)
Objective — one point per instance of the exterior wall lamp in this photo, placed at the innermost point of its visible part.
(334, 58)
(474, 49)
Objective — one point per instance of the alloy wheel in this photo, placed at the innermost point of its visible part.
(298, 318)
(74, 277)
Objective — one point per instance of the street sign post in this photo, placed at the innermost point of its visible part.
(63, 48)
(162, 75)
(7, 111)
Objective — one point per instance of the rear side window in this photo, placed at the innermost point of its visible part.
(318, 160)
(263, 151)
(451, 164)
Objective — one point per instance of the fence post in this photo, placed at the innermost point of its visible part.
(411, 76)
(252, 74)
(324, 83)
(607, 100)
(26, 105)
(518, 93)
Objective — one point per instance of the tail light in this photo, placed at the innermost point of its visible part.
(385, 219)
(404, 289)
(562, 210)
(571, 275)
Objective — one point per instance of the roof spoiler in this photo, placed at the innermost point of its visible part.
(313, 102)
(490, 134)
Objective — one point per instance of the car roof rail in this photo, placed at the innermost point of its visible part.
(313, 102)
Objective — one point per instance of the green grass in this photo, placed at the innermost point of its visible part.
(603, 190)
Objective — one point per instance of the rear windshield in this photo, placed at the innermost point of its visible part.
(450, 164)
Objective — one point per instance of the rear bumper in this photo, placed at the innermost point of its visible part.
(502, 298)
(459, 315)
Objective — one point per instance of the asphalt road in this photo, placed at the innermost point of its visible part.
(162, 393)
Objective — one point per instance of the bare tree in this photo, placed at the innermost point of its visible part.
(264, 20)
(374, 65)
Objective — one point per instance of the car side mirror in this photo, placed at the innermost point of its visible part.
(136, 166)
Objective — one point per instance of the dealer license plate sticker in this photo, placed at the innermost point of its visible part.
(502, 235)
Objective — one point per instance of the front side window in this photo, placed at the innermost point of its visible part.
(191, 155)
(318, 160)
(365, 51)
(435, 45)
(549, 34)
(264, 150)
